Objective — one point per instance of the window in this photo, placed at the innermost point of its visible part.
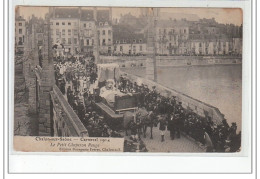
(75, 32)
(87, 41)
(63, 23)
(86, 32)
(109, 32)
(109, 40)
(69, 31)
(121, 48)
(92, 41)
(69, 40)
(117, 41)
(75, 41)
(140, 41)
(100, 24)
(20, 24)
(200, 44)
(124, 41)
(104, 32)
(63, 40)
(20, 31)
(57, 23)
(63, 31)
(134, 41)
(104, 42)
(184, 31)
(20, 39)
(141, 48)
(69, 23)
(89, 24)
(85, 25)
(57, 32)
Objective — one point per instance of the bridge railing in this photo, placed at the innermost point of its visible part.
(188, 102)
(73, 119)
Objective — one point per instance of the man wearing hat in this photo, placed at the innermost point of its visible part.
(171, 126)
(162, 126)
(177, 125)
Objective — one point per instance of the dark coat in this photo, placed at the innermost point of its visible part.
(171, 124)
(162, 125)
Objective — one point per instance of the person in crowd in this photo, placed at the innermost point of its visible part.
(162, 127)
(133, 128)
(171, 126)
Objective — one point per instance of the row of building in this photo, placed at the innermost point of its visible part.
(75, 29)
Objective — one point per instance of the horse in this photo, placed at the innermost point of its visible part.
(149, 121)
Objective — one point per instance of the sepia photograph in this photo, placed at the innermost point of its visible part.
(127, 79)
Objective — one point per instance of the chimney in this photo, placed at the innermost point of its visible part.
(95, 14)
(110, 14)
(53, 12)
(79, 12)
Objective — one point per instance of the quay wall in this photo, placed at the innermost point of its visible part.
(197, 106)
(130, 61)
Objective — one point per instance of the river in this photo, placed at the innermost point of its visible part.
(217, 85)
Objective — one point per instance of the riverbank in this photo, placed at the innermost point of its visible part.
(172, 61)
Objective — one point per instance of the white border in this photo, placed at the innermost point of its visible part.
(160, 162)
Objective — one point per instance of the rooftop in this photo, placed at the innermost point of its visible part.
(87, 15)
(171, 23)
(66, 13)
(125, 34)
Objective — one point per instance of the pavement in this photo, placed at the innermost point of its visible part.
(183, 144)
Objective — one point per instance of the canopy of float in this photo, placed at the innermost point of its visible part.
(107, 71)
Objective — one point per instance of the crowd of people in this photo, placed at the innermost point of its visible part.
(75, 75)
(171, 116)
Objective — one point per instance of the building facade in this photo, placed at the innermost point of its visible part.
(75, 29)
(127, 42)
(203, 37)
(171, 37)
(20, 33)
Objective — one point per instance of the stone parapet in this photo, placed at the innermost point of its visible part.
(72, 123)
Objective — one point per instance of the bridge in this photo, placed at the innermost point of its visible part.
(57, 118)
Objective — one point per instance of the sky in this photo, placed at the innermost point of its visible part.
(222, 15)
